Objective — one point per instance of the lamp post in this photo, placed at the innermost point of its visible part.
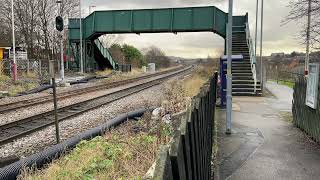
(261, 41)
(229, 72)
(81, 50)
(13, 45)
(256, 33)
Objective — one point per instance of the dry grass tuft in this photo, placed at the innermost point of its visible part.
(103, 73)
(123, 153)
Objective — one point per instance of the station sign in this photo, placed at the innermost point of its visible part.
(312, 86)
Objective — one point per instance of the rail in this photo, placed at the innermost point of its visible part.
(253, 60)
(16, 129)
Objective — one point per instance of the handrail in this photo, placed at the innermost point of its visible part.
(252, 57)
(105, 52)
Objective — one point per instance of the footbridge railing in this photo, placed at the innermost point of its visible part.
(253, 60)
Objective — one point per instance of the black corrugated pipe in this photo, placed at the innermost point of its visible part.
(12, 171)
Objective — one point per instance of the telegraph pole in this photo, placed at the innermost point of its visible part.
(229, 73)
(15, 74)
(306, 71)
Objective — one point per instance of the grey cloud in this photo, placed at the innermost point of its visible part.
(274, 33)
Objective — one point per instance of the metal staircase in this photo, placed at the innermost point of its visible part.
(244, 77)
(103, 56)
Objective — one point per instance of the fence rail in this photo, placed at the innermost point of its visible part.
(305, 118)
(189, 155)
(286, 76)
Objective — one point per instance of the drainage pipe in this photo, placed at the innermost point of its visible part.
(40, 159)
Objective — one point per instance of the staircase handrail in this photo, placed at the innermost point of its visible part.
(252, 57)
(105, 52)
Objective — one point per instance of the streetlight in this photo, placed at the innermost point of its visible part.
(256, 33)
(261, 39)
(229, 72)
(13, 45)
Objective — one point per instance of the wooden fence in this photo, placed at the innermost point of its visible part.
(305, 118)
(189, 155)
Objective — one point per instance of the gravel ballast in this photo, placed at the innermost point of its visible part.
(38, 141)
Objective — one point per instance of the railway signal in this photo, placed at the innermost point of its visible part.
(59, 23)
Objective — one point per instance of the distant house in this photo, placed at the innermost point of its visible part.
(282, 54)
(4, 50)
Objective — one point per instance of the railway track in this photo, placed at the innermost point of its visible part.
(4, 108)
(23, 127)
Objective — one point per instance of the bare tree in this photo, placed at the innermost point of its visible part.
(156, 55)
(35, 24)
(299, 13)
(117, 54)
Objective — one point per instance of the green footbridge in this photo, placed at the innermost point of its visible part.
(170, 20)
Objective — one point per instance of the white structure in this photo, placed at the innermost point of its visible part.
(152, 67)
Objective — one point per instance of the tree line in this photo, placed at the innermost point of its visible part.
(127, 54)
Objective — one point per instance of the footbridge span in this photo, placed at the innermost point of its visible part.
(168, 20)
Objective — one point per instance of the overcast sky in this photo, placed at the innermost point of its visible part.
(277, 38)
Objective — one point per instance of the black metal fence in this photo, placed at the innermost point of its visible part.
(124, 67)
(189, 155)
(304, 117)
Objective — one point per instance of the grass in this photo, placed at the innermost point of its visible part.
(197, 79)
(124, 153)
(25, 83)
(287, 116)
(128, 151)
(285, 83)
(103, 73)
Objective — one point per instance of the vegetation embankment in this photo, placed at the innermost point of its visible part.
(26, 82)
(128, 151)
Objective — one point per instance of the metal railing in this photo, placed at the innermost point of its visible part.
(189, 155)
(105, 52)
(253, 60)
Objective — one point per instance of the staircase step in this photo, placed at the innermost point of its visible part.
(246, 94)
(245, 89)
(241, 71)
(241, 68)
(243, 64)
(242, 82)
(242, 74)
(242, 78)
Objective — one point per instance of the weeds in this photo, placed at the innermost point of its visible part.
(123, 153)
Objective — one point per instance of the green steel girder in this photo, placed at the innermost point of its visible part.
(169, 20)
(189, 19)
